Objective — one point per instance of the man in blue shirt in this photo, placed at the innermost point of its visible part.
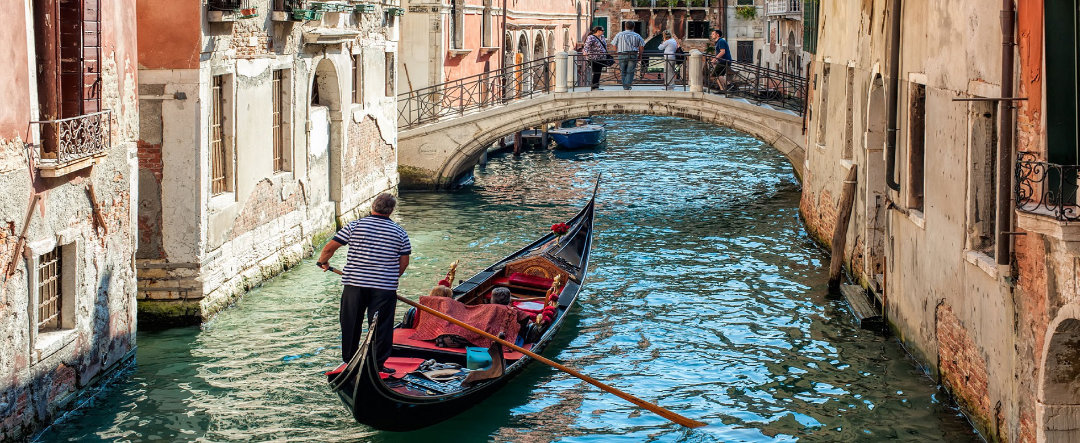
(378, 254)
(722, 58)
(629, 45)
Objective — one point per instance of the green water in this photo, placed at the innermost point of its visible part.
(705, 295)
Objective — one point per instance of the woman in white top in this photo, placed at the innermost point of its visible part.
(670, 46)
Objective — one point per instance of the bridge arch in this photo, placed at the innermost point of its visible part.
(436, 155)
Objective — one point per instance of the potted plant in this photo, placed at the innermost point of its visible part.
(747, 12)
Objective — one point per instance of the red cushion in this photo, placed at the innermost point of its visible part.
(532, 281)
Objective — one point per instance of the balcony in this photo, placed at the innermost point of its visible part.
(1047, 189)
(70, 144)
(783, 8)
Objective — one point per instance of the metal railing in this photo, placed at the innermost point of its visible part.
(654, 70)
(478, 91)
(758, 84)
(672, 3)
(224, 5)
(67, 140)
(651, 69)
(1046, 188)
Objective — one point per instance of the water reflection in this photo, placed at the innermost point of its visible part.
(704, 296)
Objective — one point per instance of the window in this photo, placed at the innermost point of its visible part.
(982, 181)
(696, 29)
(358, 78)
(391, 74)
(849, 129)
(601, 22)
(744, 3)
(485, 26)
(1062, 41)
(68, 54)
(810, 26)
(916, 144)
(457, 24)
(744, 51)
(281, 112)
(50, 293)
(220, 158)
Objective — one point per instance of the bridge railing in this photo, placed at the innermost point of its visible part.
(573, 72)
(755, 83)
(653, 68)
(478, 91)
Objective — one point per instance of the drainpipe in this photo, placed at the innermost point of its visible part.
(502, 38)
(894, 95)
(1005, 137)
(724, 17)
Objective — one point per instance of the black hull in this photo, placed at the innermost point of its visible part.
(375, 403)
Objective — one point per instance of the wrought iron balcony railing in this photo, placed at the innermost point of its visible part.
(668, 4)
(288, 5)
(71, 139)
(783, 7)
(1047, 188)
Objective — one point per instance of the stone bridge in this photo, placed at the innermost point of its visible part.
(436, 154)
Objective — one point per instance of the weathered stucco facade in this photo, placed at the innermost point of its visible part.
(259, 135)
(67, 171)
(453, 39)
(990, 308)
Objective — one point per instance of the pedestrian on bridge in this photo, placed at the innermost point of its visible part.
(629, 45)
(721, 59)
(670, 45)
(596, 52)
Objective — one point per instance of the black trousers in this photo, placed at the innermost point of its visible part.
(355, 301)
(597, 69)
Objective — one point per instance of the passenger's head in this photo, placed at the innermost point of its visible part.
(628, 26)
(441, 291)
(384, 204)
(598, 30)
(500, 296)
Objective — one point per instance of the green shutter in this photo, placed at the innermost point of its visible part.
(810, 25)
(1062, 44)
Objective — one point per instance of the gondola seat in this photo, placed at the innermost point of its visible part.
(493, 319)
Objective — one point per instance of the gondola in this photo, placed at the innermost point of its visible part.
(551, 270)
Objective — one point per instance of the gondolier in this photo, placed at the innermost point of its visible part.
(378, 254)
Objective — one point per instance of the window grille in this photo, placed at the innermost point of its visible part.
(49, 292)
(218, 154)
(278, 123)
(697, 29)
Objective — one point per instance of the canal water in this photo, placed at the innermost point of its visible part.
(705, 295)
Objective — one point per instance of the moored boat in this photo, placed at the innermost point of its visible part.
(578, 134)
(544, 279)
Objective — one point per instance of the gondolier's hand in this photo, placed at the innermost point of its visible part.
(325, 266)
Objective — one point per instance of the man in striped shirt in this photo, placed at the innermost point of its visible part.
(378, 254)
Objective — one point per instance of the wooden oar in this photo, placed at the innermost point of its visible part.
(630, 398)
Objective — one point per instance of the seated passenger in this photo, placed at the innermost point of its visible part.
(441, 291)
(501, 296)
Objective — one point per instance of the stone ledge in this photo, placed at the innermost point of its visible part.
(1048, 226)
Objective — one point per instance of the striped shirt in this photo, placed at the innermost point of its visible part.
(376, 245)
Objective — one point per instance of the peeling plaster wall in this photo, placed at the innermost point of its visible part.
(41, 372)
(977, 327)
(203, 250)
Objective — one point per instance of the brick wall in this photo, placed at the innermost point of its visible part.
(961, 364)
(249, 39)
(265, 203)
